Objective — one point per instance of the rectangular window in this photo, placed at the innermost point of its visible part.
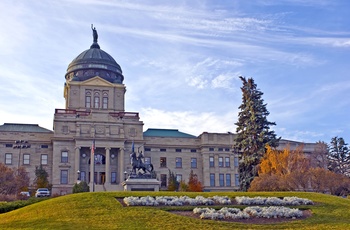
(113, 177)
(178, 150)
(236, 162)
(193, 150)
(8, 158)
(147, 149)
(211, 162)
(178, 162)
(64, 157)
(83, 176)
(88, 102)
(220, 149)
(227, 150)
(147, 160)
(179, 177)
(221, 180)
(237, 179)
(43, 159)
(221, 162)
(227, 161)
(163, 162)
(193, 162)
(97, 102)
(163, 150)
(44, 146)
(64, 176)
(105, 102)
(211, 149)
(163, 180)
(212, 179)
(8, 145)
(228, 180)
(26, 159)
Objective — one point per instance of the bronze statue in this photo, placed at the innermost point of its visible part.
(137, 164)
(94, 33)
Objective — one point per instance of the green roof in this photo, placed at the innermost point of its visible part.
(26, 128)
(166, 133)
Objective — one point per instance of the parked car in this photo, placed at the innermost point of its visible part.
(42, 192)
(25, 194)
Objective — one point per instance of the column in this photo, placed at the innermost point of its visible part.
(121, 164)
(92, 172)
(108, 163)
(77, 162)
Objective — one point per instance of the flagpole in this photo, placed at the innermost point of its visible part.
(93, 166)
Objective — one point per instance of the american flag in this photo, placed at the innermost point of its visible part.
(93, 148)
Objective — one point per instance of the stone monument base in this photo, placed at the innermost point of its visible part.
(141, 184)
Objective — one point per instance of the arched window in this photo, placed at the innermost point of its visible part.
(88, 100)
(97, 100)
(105, 101)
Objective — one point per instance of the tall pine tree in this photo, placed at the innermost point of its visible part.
(339, 156)
(253, 132)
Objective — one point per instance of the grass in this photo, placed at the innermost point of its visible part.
(102, 211)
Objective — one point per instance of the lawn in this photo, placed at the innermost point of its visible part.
(103, 211)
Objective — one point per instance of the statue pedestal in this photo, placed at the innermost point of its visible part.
(141, 184)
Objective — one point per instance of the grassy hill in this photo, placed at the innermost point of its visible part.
(103, 211)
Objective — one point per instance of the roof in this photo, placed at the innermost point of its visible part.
(166, 133)
(27, 128)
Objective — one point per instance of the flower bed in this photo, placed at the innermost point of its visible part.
(249, 212)
(289, 201)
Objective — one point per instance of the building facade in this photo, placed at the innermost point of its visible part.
(94, 123)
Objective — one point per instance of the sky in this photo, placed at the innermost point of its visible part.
(181, 60)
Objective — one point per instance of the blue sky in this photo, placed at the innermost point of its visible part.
(181, 60)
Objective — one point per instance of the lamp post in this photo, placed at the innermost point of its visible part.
(125, 174)
(21, 144)
(78, 172)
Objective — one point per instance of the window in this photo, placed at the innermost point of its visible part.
(64, 157)
(113, 177)
(221, 180)
(193, 150)
(236, 163)
(228, 180)
(163, 180)
(178, 150)
(212, 179)
(105, 103)
(97, 100)
(179, 177)
(237, 179)
(83, 176)
(88, 101)
(26, 159)
(163, 150)
(8, 145)
(178, 162)
(43, 159)
(193, 162)
(221, 162)
(211, 149)
(211, 161)
(147, 160)
(227, 149)
(8, 158)
(227, 162)
(163, 162)
(44, 146)
(64, 176)
(220, 149)
(147, 149)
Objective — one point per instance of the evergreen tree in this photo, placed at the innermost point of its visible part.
(173, 184)
(339, 156)
(81, 187)
(253, 132)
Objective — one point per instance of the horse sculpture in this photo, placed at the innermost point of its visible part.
(138, 164)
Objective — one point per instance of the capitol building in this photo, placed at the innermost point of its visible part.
(95, 112)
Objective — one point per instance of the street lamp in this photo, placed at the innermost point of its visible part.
(125, 174)
(21, 144)
(78, 172)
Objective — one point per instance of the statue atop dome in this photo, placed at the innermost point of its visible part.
(94, 33)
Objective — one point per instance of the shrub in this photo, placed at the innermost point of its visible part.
(81, 187)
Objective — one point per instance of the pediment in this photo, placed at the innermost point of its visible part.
(97, 81)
